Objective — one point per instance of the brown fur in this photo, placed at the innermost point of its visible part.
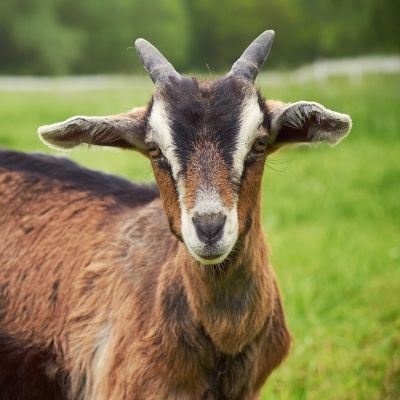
(169, 197)
(100, 301)
(203, 175)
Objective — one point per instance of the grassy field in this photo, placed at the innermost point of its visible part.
(332, 217)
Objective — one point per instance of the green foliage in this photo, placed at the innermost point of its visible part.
(333, 222)
(110, 32)
(33, 39)
(70, 36)
(94, 36)
(221, 33)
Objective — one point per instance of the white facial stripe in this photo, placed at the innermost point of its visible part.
(161, 133)
(250, 119)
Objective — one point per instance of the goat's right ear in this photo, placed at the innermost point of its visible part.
(125, 130)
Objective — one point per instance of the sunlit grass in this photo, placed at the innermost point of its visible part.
(332, 218)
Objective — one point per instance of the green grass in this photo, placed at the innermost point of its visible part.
(332, 218)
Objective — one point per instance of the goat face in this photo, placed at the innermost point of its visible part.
(204, 139)
(207, 142)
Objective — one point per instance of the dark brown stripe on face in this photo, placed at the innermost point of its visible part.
(204, 112)
(207, 170)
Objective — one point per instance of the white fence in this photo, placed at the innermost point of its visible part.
(354, 68)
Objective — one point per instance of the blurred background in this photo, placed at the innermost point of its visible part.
(331, 216)
(50, 37)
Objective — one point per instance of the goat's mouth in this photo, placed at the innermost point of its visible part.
(210, 259)
(210, 255)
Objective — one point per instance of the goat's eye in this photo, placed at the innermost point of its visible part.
(260, 144)
(153, 150)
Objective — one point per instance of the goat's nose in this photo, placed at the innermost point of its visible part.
(209, 227)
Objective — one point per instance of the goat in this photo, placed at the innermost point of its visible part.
(114, 290)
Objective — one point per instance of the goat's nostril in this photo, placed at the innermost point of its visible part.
(209, 227)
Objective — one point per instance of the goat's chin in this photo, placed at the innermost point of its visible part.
(210, 261)
(216, 258)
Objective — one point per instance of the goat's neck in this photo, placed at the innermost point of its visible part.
(233, 304)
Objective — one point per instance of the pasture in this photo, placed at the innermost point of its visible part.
(332, 219)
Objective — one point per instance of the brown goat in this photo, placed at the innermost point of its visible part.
(113, 290)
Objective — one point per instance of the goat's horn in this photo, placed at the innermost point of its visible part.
(157, 66)
(253, 58)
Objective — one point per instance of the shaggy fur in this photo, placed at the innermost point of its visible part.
(100, 301)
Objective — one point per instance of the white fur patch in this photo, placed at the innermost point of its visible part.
(100, 358)
(250, 119)
(161, 133)
(209, 202)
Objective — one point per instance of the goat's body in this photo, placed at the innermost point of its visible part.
(116, 291)
(93, 304)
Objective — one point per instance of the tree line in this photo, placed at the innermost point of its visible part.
(96, 36)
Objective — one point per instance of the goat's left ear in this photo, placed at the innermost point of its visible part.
(125, 130)
(305, 122)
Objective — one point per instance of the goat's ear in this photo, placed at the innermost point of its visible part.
(305, 122)
(123, 130)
